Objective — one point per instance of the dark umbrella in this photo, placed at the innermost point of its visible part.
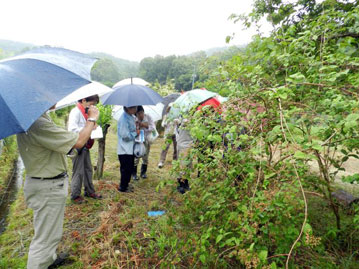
(132, 95)
(169, 99)
(33, 82)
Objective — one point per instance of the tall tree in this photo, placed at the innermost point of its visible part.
(105, 71)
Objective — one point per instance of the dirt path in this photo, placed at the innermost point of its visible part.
(106, 233)
(351, 167)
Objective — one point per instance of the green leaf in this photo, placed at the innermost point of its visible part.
(301, 155)
(219, 238)
(262, 255)
(269, 175)
(202, 258)
(297, 77)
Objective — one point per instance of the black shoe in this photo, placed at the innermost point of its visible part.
(134, 173)
(144, 170)
(181, 190)
(60, 260)
(186, 185)
(129, 189)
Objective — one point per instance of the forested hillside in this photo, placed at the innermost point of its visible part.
(10, 48)
(184, 70)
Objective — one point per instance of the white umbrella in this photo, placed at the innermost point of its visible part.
(155, 112)
(222, 99)
(83, 92)
(126, 81)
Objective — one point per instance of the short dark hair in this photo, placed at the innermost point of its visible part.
(91, 98)
(127, 107)
(139, 109)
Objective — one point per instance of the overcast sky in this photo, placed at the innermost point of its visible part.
(131, 29)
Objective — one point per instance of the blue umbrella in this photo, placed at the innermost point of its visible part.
(132, 95)
(33, 82)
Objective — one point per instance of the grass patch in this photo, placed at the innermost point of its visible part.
(7, 161)
(117, 233)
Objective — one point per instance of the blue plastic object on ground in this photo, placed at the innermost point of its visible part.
(155, 213)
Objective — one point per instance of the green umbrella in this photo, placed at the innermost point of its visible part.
(188, 100)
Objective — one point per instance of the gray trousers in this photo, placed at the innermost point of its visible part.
(82, 173)
(145, 157)
(47, 198)
(169, 139)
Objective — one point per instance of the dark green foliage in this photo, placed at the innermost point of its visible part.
(186, 71)
(293, 106)
(124, 68)
(105, 71)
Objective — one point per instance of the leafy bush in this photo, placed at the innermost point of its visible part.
(293, 105)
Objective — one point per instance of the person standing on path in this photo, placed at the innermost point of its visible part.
(126, 132)
(170, 137)
(43, 149)
(145, 123)
(82, 166)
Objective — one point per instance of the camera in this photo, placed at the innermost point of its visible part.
(86, 110)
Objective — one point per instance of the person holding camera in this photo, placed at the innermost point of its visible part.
(82, 166)
(43, 149)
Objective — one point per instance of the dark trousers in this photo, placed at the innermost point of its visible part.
(127, 164)
(82, 174)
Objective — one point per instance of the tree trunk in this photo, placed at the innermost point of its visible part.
(325, 175)
(101, 153)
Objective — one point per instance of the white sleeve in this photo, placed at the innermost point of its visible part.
(164, 121)
(151, 124)
(74, 120)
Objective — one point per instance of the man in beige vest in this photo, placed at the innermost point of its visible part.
(43, 149)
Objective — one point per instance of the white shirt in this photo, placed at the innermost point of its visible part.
(151, 125)
(76, 120)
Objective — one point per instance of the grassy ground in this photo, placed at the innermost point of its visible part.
(7, 162)
(107, 233)
(117, 233)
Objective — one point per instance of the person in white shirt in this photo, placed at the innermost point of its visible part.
(82, 167)
(145, 123)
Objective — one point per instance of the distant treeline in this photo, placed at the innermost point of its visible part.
(183, 71)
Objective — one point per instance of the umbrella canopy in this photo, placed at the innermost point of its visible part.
(155, 112)
(169, 99)
(83, 92)
(132, 95)
(33, 82)
(188, 100)
(213, 102)
(127, 81)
